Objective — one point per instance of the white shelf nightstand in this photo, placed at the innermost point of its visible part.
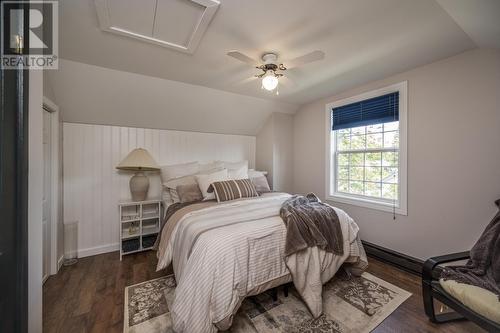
(139, 225)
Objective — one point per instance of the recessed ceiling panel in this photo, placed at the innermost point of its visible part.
(176, 20)
(176, 24)
(132, 15)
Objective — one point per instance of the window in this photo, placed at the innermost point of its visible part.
(366, 144)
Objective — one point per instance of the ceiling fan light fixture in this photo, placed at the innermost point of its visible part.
(270, 81)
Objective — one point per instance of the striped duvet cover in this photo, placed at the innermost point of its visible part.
(223, 252)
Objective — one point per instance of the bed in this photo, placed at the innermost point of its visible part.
(224, 252)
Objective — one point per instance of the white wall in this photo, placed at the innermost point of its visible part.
(93, 187)
(97, 95)
(453, 156)
(274, 151)
(35, 197)
(265, 149)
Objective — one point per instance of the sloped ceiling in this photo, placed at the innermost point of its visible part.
(363, 41)
(96, 95)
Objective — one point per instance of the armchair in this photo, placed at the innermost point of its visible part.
(431, 289)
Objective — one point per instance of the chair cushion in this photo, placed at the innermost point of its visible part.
(479, 300)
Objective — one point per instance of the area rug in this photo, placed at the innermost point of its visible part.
(349, 305)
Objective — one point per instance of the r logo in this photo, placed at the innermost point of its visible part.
(29, 30)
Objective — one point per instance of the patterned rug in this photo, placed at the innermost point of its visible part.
(355, 305)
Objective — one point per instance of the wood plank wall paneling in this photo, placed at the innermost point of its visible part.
(93, 187)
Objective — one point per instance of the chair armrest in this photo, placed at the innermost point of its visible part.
(431, 263)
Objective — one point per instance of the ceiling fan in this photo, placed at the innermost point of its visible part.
(272, 70)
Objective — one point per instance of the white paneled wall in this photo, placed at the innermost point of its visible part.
(93, 187)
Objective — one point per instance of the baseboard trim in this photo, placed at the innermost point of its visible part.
(92, 251)
(397, 259)
(60, 263)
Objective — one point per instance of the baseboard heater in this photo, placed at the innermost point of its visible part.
(400, 260)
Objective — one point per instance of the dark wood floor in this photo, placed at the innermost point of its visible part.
(88, 297)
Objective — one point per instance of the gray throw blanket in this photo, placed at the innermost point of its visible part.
(483, 268)
(309, 223)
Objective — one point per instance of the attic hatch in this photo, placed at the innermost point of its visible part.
(176, 24)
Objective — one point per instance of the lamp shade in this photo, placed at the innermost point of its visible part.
(138, 160)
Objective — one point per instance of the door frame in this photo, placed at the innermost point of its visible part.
(14, 124)
(53, 109)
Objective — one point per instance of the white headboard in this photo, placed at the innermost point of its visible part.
(93, 187)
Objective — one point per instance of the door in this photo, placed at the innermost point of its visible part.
(47, 195)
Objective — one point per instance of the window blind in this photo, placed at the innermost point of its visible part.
(381, 109)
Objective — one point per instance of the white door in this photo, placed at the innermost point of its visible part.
(47, 196)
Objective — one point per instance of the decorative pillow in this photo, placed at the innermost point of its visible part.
(233, 189)
(204, 182)
(189, 193)
(241, 173)
(170, 187)
(261, 185)
(235, 165)
(169, 172)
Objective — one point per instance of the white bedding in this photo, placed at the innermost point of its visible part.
(225, 252)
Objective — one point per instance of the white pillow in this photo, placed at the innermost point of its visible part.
(235, 165)
(252, 173)
(241, 173)
(204, 182)
(211, 167)
(169, 172)
(186, 180)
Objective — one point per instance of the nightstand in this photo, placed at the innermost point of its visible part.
(139, 225)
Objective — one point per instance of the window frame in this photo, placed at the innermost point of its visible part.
(361, 200)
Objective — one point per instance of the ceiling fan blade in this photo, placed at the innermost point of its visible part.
(306, 58)
(243, 57)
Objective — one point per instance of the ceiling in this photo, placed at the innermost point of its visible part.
(479, 19)
(363, 41)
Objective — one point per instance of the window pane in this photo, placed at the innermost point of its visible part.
(389, 191)
(358, 141)
(356, 173)
(357, 159)
(343, 172)
(391, 139)
(390, 175)
(390, 159)
(345, 131)
(377, 128)
(373, 189)
(372, 174)
(343, 159)
(374, 140)
(356, 187)
(343, 186)
(373, 159)
(358, 130)
(392, 126)
(343, 142)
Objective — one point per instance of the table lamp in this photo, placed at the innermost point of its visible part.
(139, 160)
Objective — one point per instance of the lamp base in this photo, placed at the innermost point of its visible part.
(139, 186)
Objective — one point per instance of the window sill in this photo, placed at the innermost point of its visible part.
(366, 203)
